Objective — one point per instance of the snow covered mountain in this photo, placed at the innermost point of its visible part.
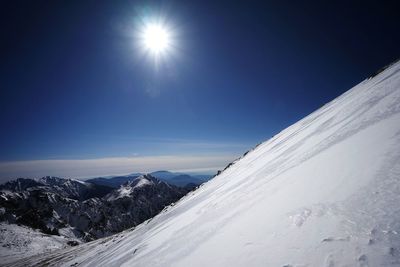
(323, 192)
(173, 178)
(69, 188)
(113, 181)
(62, 207)
(74, 189)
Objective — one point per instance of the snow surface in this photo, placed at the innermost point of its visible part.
(17, 242)
(323, 192)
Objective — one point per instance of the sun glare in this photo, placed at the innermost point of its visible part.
(156, 38)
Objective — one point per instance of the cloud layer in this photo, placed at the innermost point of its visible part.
(84, 168)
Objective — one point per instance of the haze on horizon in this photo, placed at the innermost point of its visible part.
(80, 98)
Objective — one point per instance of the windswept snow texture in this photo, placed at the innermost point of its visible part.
(323, 192)
(20, 241)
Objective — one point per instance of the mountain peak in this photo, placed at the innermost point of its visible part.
(129, 188)
(20, 184)
(142, 180)
(53, 180)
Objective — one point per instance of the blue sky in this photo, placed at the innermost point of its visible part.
(75, 86)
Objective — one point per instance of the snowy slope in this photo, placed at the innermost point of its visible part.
(323, 192)
(21, 241)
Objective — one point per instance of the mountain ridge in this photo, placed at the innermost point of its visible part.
(174, 178)
(68, 208)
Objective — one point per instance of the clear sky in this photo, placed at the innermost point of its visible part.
(77, 91)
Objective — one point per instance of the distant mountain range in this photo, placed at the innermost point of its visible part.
(84, 210)
(173, 178)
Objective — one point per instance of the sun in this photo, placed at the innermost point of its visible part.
(156, 38)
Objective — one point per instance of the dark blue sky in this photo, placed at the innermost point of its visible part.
(74, 86)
